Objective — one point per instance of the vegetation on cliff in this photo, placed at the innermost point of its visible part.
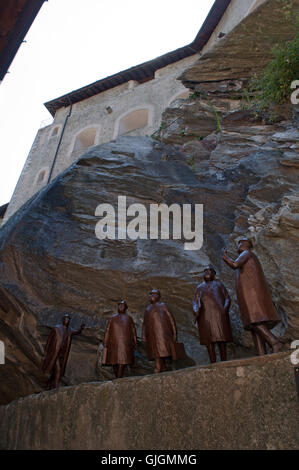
(273, 85)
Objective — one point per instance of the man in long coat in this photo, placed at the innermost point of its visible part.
(257, 311)
(158, 331)
(211, 309)
(57, 350)
(119, 341)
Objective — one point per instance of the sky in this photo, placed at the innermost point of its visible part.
(72, 43)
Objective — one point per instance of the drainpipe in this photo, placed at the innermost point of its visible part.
(59, 142)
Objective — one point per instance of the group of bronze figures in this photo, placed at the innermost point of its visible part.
(159, 333)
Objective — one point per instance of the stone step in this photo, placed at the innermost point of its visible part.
(241, 404)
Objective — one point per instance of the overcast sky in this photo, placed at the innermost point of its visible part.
(73, 43)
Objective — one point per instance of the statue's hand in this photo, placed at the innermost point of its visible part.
(224, 254)
(197, 306)
(197, 309)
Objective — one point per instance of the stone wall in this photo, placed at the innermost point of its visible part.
(154, 95)
(248, 404)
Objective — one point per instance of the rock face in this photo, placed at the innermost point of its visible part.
(247, 404)
(51, 261)
(260, 158)
(211, 150)
(247, 48)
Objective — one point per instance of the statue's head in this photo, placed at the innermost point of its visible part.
(209, 273)
(122, 306)
(154, 296)
(66, 319)
(244, 244)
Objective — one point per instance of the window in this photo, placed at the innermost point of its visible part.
(134, 120)
(84, 140)
(54, 131)
(41, 176)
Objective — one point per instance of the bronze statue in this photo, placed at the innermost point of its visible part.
(119, 341)
(57, 350)
(211, 309)
(258, 313)
(158, 331)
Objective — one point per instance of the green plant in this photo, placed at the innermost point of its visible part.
(193, 95)
(212, 108)
(273, 85)
(287, 8)
(217, 117)
(246, 101)
(191, 163)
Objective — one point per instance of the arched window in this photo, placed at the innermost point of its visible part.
(41, 176)
(84, 140)
(133, 120)
(54, 131)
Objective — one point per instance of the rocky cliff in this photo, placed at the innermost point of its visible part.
(52, 262)
(210, 149)
(229, 144)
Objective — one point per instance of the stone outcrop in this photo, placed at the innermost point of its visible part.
(51, 261)
(211, 149)
(247, 404)
(240, 142)
(258, 156)
(247, 48)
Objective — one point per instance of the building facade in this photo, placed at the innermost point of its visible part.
(128, 103)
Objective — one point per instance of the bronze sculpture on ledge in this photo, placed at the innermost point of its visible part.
(211, 309)
(257, 311)
(119, 341)
(159, 332)
(57, 350)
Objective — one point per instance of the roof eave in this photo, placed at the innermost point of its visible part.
(147, 68)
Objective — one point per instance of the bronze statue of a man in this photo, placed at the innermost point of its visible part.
(57, 350)
(257, 311)
(119, 341)
(158, 331)
(211, 309)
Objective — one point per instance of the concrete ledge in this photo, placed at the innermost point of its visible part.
(243, 404)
